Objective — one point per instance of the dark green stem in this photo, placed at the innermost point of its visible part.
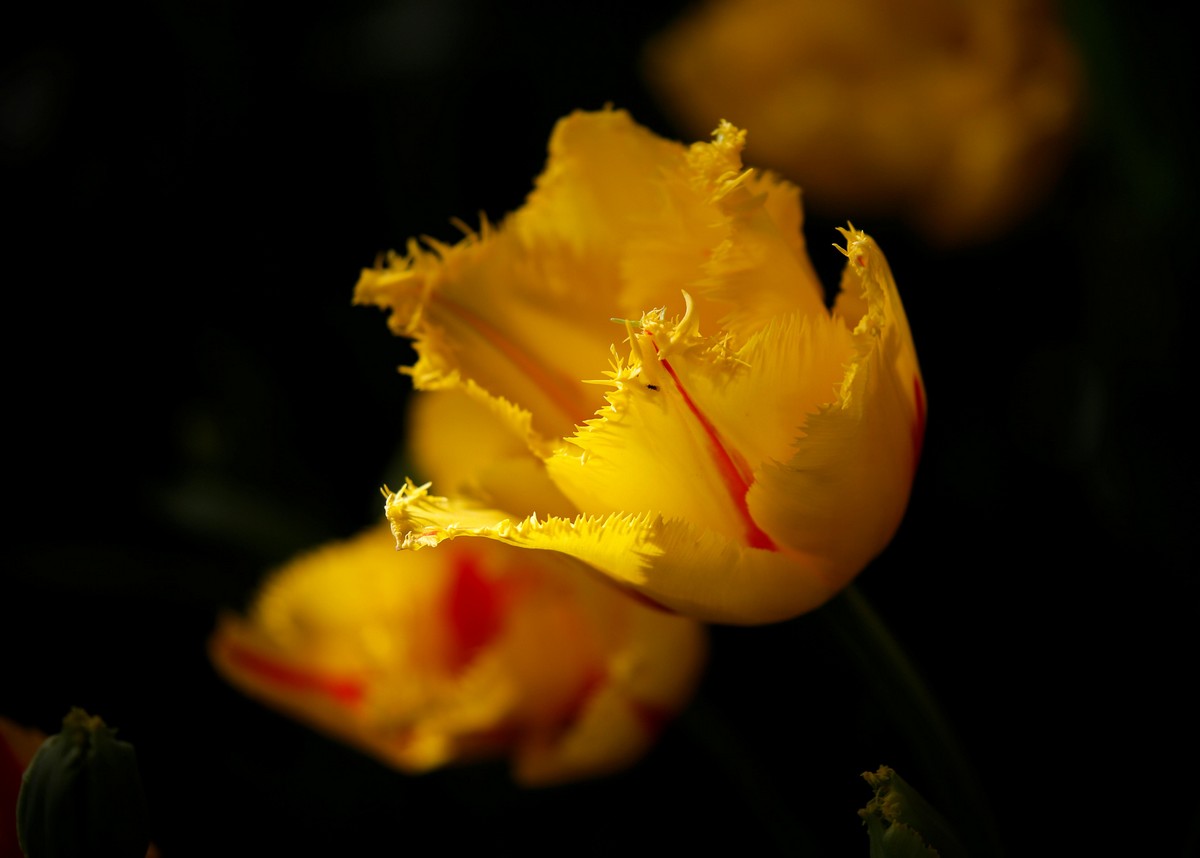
(738, 765)
(903, 693)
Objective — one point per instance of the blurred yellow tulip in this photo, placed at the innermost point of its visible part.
(743, 475)
(476, 651)
(954, 115)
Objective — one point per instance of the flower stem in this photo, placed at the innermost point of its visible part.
(739, 768)
(904, 695)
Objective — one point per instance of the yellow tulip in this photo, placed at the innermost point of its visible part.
(955, 115)
(474, 651)
(754, 449)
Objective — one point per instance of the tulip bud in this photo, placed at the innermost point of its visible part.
(82, 795)
(902, 824)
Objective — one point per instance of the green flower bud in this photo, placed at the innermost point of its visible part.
(902, 824)
(81, 795)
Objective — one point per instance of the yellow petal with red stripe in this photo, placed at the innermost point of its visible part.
(697, 572)
(426, 659)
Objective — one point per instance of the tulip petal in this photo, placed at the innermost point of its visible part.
(842, 494)
(670, 217)
(461, 444)
(690, 570)
(607, 735)
(628, 705)
(425, 659)
(619, 220)
(730, 236)
(618, 544)
(690, 419)
(520, 311)
(329, 636)
(518, 345)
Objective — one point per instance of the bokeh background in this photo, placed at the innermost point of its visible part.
(191, 190)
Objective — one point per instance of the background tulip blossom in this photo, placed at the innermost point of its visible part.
(475, 651)
(689, 417)
(956, 117)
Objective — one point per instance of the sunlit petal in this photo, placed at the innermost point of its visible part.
(693, 571)
(842, 494)
(462, 444)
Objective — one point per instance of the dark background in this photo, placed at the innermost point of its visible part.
(191, 190)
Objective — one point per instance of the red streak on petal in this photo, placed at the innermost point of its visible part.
(651, 716)
(918, 429)
(737, 479)
(642, 599)
(560, 391)
(474, 612)
(578, 702)
(342, 689)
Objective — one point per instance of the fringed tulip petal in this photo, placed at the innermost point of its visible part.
(517, 349)
(690, 419)
(730, 236)
(688, 569)
(841, 496)
(617, 544)
(619, 222)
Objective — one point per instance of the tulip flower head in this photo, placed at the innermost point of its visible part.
(477, 651)
(687, 414)
(957, 117)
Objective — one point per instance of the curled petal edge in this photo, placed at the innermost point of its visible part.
(681, 567)
(842, 495)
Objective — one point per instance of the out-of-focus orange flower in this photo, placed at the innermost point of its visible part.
(477, 651)
(956, 115)
(754, 449)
